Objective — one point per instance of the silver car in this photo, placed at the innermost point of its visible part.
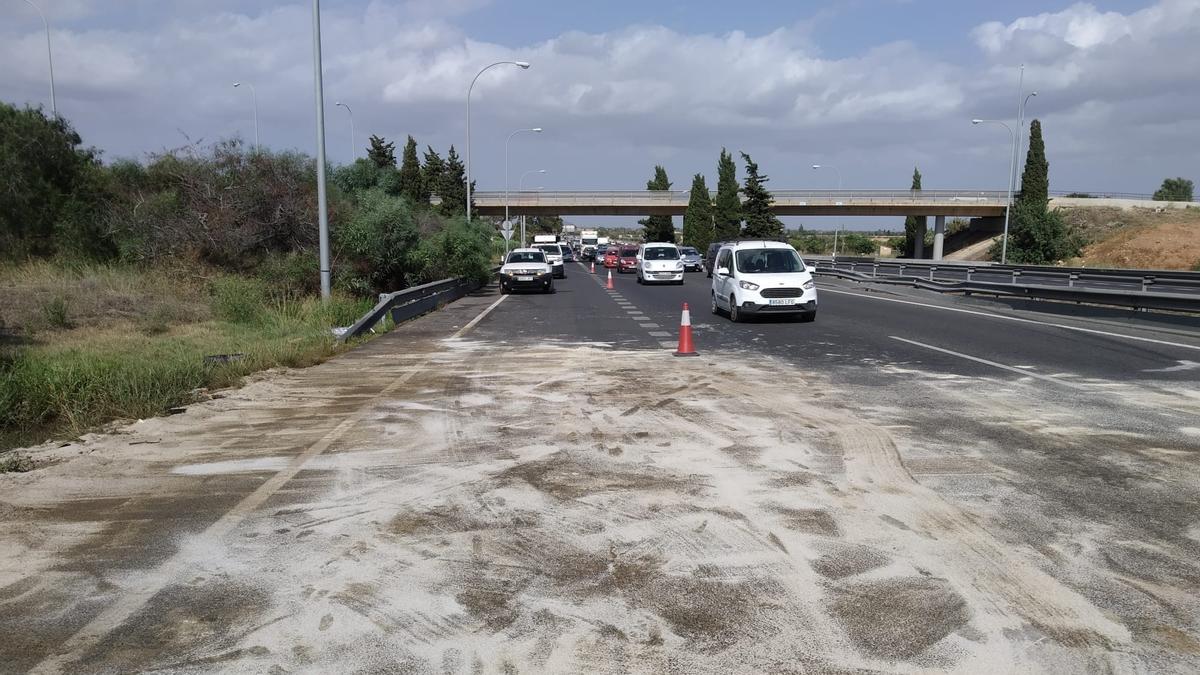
(692, 261)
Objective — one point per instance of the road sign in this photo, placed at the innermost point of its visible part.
(506, 229)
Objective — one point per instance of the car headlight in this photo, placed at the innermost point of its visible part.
(809, 285)
(748, 285)
(678, 266)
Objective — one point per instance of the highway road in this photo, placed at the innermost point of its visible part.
(533, 483)
(859, 325)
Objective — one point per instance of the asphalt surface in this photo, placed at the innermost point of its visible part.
(857, 324)
(958, 272)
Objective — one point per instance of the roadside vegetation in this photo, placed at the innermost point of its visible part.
(129, 287)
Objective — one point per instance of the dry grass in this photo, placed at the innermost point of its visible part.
(43, 296)
(1138, 238)
(83, 345)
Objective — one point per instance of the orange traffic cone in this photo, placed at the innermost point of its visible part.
(609, 286)
(685, 334)
(593, 267)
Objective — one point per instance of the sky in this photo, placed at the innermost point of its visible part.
(871, 87)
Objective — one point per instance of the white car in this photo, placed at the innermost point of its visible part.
(659, 262)
(526, 269)
(763, 277)
(554, 256)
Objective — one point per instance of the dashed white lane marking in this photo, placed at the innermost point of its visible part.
(648, 325)
(669, 344)
(660, 333)
(1018, 319)
(993, 364)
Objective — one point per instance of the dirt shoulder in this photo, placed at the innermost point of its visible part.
(1139, 238)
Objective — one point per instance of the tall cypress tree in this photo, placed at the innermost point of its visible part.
(1035, 181)
(453, 186)
(1037, 236)
(431, 174)
(912, 223)
(727, 210)
(382, 152)
(410, 173)
(658, 228)
(760, 220)
(698, 219)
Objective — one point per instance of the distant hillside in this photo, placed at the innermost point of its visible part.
(1141, 238)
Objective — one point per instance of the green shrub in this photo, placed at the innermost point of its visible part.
(381, 237)
(239, 299)
(1038, 237)
(460, 249)
(815, 244)
(290, 275)
(857, 243)
(54, 312)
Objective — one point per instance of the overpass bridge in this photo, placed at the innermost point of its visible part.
(953, 203)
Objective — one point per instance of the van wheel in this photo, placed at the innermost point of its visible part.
(734, 315)
(807, 317)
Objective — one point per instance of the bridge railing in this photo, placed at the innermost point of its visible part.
(781, 196)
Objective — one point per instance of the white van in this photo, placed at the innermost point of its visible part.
(659, 261)
(762, 277)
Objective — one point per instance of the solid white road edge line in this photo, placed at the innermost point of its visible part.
(1015, 318)
(473, 322)
(993, 364)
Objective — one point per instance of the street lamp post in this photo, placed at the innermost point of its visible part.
(520, 188)
(839, 183)
(322, 208)
(254, 96)
(1007, 204)
(49, 56)
(520, 64)
(353, 144)
(1021, 133)
(535, 130)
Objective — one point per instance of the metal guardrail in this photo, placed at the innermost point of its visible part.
(1144, 278)
(1134, 299)
(410, 303)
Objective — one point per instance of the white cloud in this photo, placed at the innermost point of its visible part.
(611, 100)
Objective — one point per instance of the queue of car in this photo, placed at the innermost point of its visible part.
(750, 277)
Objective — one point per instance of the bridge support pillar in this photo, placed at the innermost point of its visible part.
(919, 244)
(939, 236)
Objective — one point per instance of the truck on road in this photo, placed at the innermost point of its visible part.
(587, 244)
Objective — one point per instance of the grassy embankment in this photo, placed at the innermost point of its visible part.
(84, 344)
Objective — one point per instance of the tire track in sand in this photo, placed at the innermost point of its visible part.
(977, 561)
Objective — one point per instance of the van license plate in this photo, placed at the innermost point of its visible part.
(524, 278)
(783, 301)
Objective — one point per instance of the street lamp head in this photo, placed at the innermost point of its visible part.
(537, 129)
(816, 166)
(337, 102)
(541, 171)
(523, 64)
(976, 121)
(1033, 94)
(237, 84)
